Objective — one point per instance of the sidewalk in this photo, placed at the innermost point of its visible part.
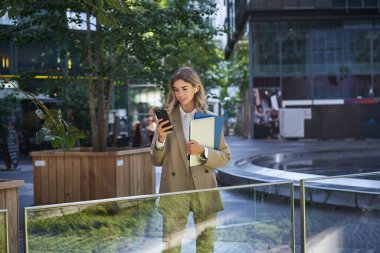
(240, 148)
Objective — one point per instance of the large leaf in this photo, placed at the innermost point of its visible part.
(44, 134)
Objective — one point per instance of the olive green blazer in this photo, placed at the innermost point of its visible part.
(175, 165)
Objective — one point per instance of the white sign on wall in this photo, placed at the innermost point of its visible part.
(292, 122)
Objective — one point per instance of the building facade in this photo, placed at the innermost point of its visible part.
(323, 56)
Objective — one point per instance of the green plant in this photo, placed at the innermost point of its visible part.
(54, 129)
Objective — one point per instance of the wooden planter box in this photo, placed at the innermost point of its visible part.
(9, 201)
(79, 175)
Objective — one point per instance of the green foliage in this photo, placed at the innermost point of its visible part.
(135, 40)
(140, 33)
(96, 228)
(238, 67)
(227, 74)
(3, 233)
(54, 130)
(59, 139)
(72, 93)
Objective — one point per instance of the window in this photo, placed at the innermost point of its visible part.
(354, 3)
(339, 3)
(370, 3)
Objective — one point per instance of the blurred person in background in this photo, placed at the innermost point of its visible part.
(13, 146)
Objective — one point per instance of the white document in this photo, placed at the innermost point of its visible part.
(202, 131)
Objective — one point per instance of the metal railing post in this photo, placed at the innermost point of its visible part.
(303, 215)
(292, 217)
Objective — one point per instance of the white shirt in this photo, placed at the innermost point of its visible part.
(186, 118)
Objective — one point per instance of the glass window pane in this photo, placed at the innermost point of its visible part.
(262, 82)
(296, 88)
(327, 87)
(376, 88)
(358, 51)
(357, 86)
(339, 3)
(376, 49)
(5, 57)
(370, 3)
(266, 54)
(293, 52)
(354, 3)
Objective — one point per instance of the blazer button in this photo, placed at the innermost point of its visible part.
(173, 174)
(206, 171)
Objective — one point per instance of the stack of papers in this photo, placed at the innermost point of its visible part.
(206, 129)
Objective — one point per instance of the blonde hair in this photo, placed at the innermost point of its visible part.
(188, 75)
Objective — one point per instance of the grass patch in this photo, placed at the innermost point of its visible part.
(3, 233)
(99, 228)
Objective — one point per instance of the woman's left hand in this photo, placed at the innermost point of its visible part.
(194, 148)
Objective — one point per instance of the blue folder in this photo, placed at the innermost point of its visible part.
(219, 123)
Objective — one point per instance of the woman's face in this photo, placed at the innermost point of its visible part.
(184, 92)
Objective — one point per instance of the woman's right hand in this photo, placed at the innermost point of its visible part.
(163, 131)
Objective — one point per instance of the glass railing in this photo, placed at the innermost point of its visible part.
(249, 218)
(341, 214)
(4, 248)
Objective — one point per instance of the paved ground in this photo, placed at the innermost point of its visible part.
(354, 230)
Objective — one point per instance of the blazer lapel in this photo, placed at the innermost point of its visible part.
(178, 130)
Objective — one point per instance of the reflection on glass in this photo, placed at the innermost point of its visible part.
(370, 3)
(358, 86)
(254, 219)
(339, 3)
(327, 87)
(3, 232)
(318, 59)
(342, 214)
(354, 3)
(376, 88)
(296, 87)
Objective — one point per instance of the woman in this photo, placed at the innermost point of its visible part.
(170, 149)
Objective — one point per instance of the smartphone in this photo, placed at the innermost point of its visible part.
(163, 114)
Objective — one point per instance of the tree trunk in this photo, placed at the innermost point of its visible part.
(90, 84)
(103, 125)
(110, 91)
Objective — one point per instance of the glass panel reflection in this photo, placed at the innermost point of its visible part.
(354, 3)
(253, 219)
(3, 231)
(342, 214)
(370, 3)
(318, 59)
(339, 3)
